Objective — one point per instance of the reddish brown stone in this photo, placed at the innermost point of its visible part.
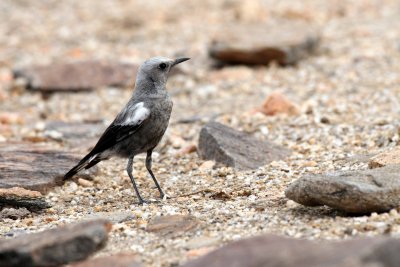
(277, 103)
(283, 42)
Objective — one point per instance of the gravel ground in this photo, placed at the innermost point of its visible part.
(348, 93)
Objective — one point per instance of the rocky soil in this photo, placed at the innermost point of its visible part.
(333, 105)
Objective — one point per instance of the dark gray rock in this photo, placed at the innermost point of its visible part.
(363, 191)
(76, 76)
(236, 149)
(275, 251)
(55, 247)
(254, 44)
(33, 166)
(20, 197)
(117, 260)
(172, 225)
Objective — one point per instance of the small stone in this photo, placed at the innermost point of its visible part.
(172, 225)
(236, 149)
(365, 191)
(310, 163)
(251, 44)
(194, 253)
(55, 247)
(385, 158)
(187, 150)
(277, 103)
(85, 183)
(20, 197)
(206, 165)
(117, 260)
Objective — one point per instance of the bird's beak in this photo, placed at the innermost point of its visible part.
(179, 60)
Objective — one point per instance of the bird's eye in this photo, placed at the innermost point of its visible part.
(163, 66)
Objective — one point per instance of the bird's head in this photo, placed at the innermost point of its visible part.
(156, 69)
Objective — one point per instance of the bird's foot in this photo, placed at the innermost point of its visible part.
(164, 196)
(142, 201)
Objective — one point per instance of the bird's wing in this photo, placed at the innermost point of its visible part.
(126, 123)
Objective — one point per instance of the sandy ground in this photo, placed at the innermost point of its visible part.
(352, 82)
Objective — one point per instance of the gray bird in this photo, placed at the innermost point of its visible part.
(140, 125)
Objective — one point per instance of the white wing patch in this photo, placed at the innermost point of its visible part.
(139, 114)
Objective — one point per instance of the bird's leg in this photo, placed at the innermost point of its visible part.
(148, 167)
(129, 171)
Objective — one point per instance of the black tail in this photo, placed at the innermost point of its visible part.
(87, 162)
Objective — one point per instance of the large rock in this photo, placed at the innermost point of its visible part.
(385, 158)
(34, 166)
(285, 43)
(117, 260)
(275, 251)
(363, 191)
(236, 149)
(20, 197)
(55, 247)
(172, 225)
(75, 76)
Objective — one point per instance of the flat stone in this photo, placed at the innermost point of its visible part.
(364, 191)
(236, 149)
(117, 260)
(172, 225)
(385, 158)
(271, 250)
(255, 44)
(113, 216)
(33, 166)
(77, 76)
(77, 134)
(20, 197)
(55, 247)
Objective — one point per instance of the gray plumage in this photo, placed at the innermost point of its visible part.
(140, 125)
